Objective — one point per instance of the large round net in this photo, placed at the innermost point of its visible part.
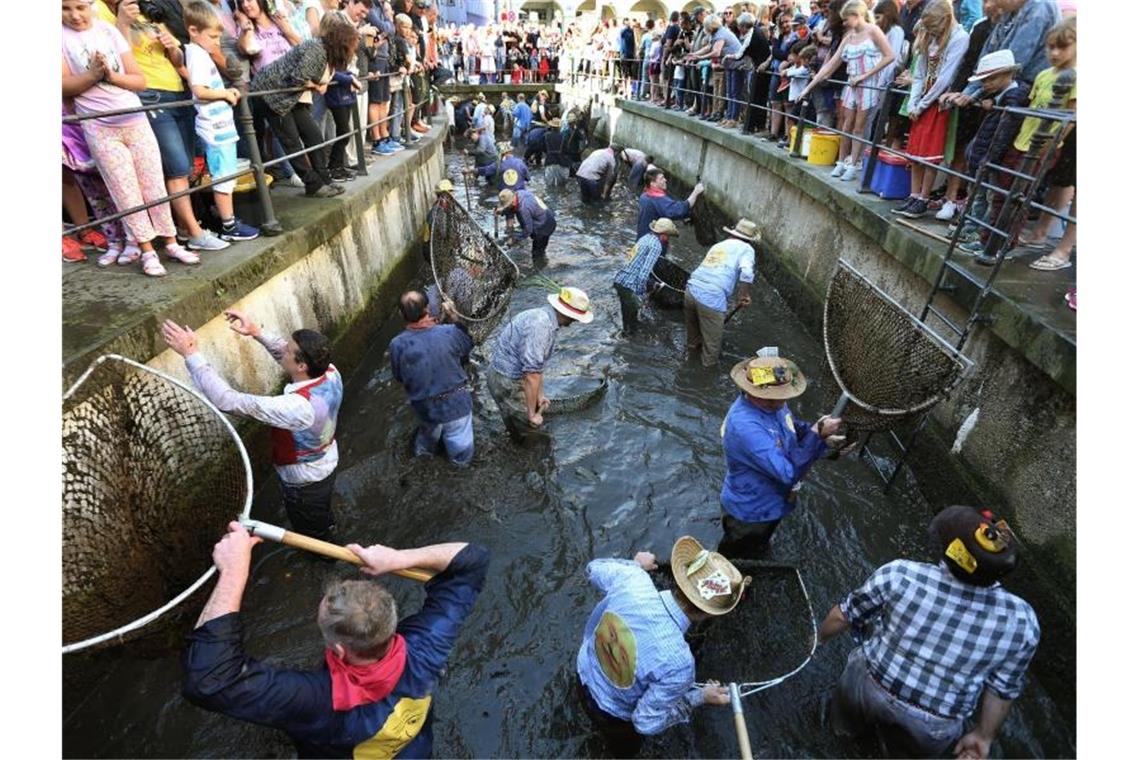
(469, 267)
(152, 473)
(891, 366)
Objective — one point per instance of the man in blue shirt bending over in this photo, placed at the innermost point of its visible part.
(768, 453)
(372, 694)
(428, 359)
(634, 666)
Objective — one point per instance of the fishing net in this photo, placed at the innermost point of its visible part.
(891, 366)
(469, 267)
(672, 279)
(766, 640)
(152, 473)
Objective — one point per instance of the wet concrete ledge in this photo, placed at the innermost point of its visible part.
(338, 261)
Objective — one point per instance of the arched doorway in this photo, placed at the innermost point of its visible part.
(692, 5)
(649, 9)
(545, 11)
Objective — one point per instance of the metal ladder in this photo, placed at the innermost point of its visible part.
(1023, 188)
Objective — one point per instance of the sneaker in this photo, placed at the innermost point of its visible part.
(968, 236)
(152, 267)
(342, 174)
(916, 209)
(73, 251)
(412, 137)
(207, 241)
(395, 146)
(946, 213)
(295, 181)
(841, 167)
(782, 143)
(378, 148)
(237, 231)
(850, 173)
(385, 149)
(110, 257)
(325, 191)
(178, 253)
(131, 253)
(972, 247)
(93, 238)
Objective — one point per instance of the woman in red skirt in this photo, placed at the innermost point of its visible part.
(939, 46)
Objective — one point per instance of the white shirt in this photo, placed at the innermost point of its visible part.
(215, 120)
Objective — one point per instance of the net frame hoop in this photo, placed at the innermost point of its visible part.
(965, 364)
(753, 687)
(435, 275)
(153, 615)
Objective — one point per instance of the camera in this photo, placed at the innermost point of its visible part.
(153, 11)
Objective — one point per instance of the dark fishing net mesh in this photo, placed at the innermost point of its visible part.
(469, 267)
(151, 476)
(892, 366)
(768, 636)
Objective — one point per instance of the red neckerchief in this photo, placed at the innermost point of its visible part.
(355, 685)
(654, 192)
(426, 321)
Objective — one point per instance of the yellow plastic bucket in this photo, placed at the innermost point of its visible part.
(824, 148)
(805, 148)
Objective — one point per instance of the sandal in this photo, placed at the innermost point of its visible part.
(152, 267)
(1050, 264)
(109, 257)
(131, 253)
(178, 253)
(1043, 245)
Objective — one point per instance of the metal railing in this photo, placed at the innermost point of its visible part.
(248, 132)
(603, 82)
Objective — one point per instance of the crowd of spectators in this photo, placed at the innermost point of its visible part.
(774, 65)
(314, 60)
(501, 53)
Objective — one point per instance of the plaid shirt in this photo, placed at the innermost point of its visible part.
(937, 642)
(636, 271)
(661, 692)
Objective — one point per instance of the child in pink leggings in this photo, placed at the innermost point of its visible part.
(100, 74)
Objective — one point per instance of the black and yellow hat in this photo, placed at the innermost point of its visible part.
(977, 548)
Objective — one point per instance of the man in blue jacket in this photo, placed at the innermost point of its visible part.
(508, 173)
(536, 220)
(428, 359)
(655, 204)
(767, 452)
(372, 695)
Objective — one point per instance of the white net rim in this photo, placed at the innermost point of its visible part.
(201, 580)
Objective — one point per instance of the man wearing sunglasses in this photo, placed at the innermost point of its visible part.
(302, 418)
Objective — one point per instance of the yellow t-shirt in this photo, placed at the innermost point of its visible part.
(159, 72)
(1040, 96)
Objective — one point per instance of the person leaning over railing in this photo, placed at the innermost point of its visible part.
(341, 98)
(159, 56)
(214, 124)
(309, 65)
(100, 74)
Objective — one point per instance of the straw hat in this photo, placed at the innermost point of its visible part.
(771, 377)
(573, 303)
(481, 97)
(506, 200)
(706, 578)
(746, 230)
(664, 226)
(444, 186)
(994, 63)
(505, 147)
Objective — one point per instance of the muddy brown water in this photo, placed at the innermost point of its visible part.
(633, 471)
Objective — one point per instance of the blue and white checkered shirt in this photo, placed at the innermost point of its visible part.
(634, 658)
(636, 271)
(936, 642)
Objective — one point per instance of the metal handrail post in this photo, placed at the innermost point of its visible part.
(358, 138)
(269, 225)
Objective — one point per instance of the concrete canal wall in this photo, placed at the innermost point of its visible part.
(338, 268)
(1007, 436)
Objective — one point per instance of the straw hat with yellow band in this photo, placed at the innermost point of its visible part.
(771, 377)
(506, 201)
(505, 148)
(444, 186)
(573, 303)
(706, 578)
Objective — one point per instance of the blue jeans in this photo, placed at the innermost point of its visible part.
(458, 438)
(174, 130)
(732, 92)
